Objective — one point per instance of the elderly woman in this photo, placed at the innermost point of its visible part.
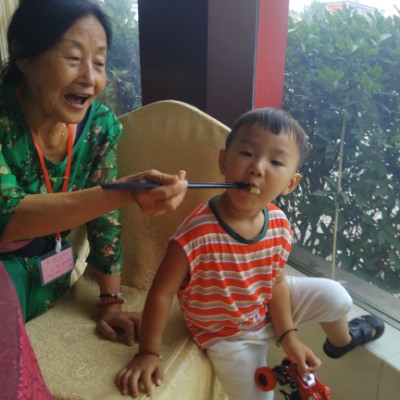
(57, 146)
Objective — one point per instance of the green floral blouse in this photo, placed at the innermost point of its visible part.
(93, 162)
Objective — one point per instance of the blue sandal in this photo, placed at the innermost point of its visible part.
(364, 329)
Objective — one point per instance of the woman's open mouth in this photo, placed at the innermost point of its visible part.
(77, 99)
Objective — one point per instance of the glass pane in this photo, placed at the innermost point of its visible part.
(123, 90)
(341, 83)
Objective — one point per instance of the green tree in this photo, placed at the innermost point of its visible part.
(342, 84)
(123, 90)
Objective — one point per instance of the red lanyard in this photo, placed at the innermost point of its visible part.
(46, 173)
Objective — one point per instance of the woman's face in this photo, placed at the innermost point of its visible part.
(63, 81)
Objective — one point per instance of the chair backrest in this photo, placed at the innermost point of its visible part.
(168, 136)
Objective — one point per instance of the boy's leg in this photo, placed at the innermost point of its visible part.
(235, 363)
(337, 331)
(318, 299)
(327, 302)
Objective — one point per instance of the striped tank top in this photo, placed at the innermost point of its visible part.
(231, 278)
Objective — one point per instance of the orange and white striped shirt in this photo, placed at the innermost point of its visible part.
(231, 278)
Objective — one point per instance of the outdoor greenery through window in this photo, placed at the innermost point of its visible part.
(123, 90)
(342, 84)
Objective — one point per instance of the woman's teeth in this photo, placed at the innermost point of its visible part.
(76, 98)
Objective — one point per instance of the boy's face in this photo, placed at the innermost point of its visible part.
(263, 160)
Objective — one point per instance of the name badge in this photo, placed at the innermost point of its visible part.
(54, 265)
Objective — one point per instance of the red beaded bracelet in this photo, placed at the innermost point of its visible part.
(107, 299)
(117, 295)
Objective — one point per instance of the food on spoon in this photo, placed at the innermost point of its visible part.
(254, 190)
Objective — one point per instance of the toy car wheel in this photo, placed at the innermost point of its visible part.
(265, 379)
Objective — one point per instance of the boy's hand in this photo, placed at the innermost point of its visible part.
(302, 355)
(144, 370)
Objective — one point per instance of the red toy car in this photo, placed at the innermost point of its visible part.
(302, 388)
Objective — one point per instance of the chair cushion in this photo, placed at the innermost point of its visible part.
(169, 136)
(78, 364)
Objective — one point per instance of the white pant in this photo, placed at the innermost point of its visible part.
(235, 361)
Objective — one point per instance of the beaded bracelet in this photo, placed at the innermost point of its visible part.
(107, 299)
(279, 341)
(116, 295)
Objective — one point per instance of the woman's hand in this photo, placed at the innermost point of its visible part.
(114, 318)
(143, 370)
(156, 201)
(302, 355)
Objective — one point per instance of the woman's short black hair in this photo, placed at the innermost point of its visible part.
(276, 121)
(37, 25)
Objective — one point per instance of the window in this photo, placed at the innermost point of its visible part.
(341, 83)
(123, 91)
(7, 8)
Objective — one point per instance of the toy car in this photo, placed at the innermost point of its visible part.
(301, 388)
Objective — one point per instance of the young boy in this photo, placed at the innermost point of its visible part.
(226, 265)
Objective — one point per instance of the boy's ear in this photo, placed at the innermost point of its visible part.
(221, 161)
(294, 182)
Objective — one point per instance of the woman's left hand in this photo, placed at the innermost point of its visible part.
(113, 318)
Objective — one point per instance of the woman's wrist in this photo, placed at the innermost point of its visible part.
(107, 299)
(118, 198)
(106, 312)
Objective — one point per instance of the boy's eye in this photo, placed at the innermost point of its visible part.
(246, 153)
(276, 162)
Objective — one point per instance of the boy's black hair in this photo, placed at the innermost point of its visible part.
(37, 25)
(275, 121)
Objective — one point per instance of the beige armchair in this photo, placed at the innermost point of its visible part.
(75, 362)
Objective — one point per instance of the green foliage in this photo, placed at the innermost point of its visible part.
(123, 90)
(342, 80)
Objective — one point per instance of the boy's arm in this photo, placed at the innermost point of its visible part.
(280, 310)
(146, 365)
(167, 281)
(280, 307)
